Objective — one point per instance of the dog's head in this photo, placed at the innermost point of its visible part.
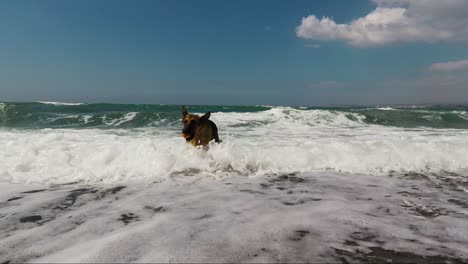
(191, 123)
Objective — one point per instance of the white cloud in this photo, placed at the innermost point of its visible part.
(449, 66)
(395, 21)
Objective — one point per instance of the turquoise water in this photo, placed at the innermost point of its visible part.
(57, 115)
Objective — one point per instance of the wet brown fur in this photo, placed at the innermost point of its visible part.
(203, 131)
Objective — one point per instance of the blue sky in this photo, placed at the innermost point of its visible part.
(235, 52)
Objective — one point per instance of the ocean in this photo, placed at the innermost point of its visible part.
(117, 183)
(59, 143)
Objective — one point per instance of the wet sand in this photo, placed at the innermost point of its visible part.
(334, 218)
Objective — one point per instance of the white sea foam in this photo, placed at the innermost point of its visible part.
(58, 103)
(86, 118)
(432, 117)
(325, 218)
(71, 117)
(116, 122)
(126, 118)
(280, 140)
(463, 115)
(384, 108)
(290, 118)
(226, 204)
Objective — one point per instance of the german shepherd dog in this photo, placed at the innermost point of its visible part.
(198, 130)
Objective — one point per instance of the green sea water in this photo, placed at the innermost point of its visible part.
(38, 115)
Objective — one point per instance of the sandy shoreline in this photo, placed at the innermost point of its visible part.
(283, 218)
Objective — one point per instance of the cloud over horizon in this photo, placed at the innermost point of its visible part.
(394, 21)
(449, 66)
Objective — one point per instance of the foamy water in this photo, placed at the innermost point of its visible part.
(276, 141)
(285, 185)
(321, 217)
(58, 103)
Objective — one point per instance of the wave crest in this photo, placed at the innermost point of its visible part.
(60, 156)
(40, 115)
(287, 116)
(59, 103)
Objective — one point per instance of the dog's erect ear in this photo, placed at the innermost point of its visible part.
(184, 111)
(205, 117)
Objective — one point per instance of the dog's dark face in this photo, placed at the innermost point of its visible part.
(191, 123)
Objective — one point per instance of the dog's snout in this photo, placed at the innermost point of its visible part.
(188, 127)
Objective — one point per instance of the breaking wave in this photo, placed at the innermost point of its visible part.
(93, 155)
(58, 103)
(104, 142)
(77, 115)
